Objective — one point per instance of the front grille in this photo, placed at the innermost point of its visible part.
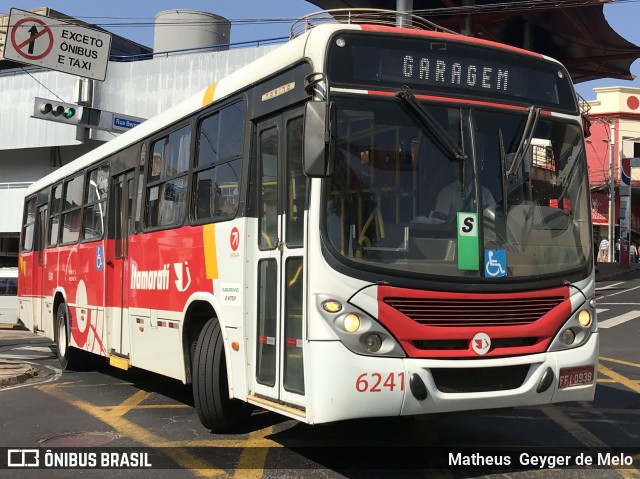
(474, 312)
(474, 380)
(463, 344)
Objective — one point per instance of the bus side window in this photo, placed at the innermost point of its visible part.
(55, 207)
(72, 209)
(29, 225)
(139, 190)
(95, 209)
(167, 179)
(218, 164)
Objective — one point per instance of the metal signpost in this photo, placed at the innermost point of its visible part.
(57, 45)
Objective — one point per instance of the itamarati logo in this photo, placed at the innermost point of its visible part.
(160, 279)
(157, 279)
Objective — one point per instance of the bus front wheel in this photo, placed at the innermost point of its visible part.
(68, 356)
(215, 409)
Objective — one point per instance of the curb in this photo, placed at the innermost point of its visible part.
(12, 373)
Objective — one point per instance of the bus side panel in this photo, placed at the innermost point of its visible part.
(49, 285)
(166, 268)
(83, 282)
(169, 267)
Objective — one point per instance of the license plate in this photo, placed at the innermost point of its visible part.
(570, 377)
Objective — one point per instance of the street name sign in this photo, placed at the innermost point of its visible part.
(57, 45)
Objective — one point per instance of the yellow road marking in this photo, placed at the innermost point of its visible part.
(112, 417)
(619, 378)
(620, 361)
(253, 458)
(583, 435)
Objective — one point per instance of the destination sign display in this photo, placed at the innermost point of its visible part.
(449, 68)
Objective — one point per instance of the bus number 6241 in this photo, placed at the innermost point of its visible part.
(377, 382)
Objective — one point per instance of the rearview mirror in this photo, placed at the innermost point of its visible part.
(317, 159)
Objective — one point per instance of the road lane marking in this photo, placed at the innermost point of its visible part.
(579, 432)
(109, 415)
(625, 381)
(584, 436)
(253, 459)
(609, 286)
(620, 292)
(22, 356)
(44, 349)
(617, 320)
(620, 361)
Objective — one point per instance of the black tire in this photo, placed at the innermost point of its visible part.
(215, 409)
(68, 357)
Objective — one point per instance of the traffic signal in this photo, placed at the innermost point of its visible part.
(54, 110)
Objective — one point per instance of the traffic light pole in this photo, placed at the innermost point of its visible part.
(83, 116)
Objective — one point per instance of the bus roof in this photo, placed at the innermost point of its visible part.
(284, 56)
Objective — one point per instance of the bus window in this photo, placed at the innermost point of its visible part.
(218, 164)
(143, 158)
(296, 184)
(268, 163)
(29, 225)
(55, 207)
(72, 215)
(167, 179)
(94, 215)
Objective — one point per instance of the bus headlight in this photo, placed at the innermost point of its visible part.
(584, 318)
(357, 331)
(332, 306)
(578, 328)
(372, 342)
(352, 323)
(568, 337)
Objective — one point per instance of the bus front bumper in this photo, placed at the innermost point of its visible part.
(347, 386)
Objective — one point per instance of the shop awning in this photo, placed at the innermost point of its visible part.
(598, 218)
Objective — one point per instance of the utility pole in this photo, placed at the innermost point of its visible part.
(612, 190)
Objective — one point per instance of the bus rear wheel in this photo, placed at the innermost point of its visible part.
(68, 357)
(215, 409)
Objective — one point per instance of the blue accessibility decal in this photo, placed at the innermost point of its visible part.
(495, 263)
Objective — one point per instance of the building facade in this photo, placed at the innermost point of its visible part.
(615, 136)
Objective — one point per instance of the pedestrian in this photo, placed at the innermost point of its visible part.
(617, 258)
(604, 249)
(633, 253)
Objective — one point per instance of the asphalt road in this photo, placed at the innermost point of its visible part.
(147, 414)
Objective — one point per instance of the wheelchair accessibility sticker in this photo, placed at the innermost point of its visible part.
(99, 258)
(495, 263)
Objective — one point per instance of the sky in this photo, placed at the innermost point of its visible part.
(622, 15)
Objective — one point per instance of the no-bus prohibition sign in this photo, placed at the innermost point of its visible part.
(39, 35)
(57, 45)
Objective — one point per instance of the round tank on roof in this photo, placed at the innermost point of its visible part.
(185, 29)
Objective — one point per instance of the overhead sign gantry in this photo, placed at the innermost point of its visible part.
(57, 45)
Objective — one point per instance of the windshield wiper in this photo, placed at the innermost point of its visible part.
(525, 140)
(503, 164)
(433, 128)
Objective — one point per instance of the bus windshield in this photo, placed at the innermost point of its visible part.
(401, 203)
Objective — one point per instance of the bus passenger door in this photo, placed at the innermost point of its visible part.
(39, 267)
(116, 263)
(280, 284)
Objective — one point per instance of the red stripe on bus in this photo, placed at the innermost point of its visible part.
(449, 36)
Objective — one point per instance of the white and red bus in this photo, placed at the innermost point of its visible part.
(280, 239)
